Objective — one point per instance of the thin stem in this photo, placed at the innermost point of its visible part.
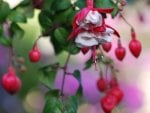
(64, 74)
(89, 3)
(63, 81)
(68, 73)
(126, 21)
(106, 72)
(101, 51)
(11, 56)
(35, 43)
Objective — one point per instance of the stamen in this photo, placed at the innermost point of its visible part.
(95, 57)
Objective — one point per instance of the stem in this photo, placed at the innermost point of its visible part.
(64, 74)
(89, 3)
(68, 73)
(95, 57)
(63, 81)
(48, 31)
(11, 56)
(35, 43)
(126, 21)
(119, 43)
(106, 72)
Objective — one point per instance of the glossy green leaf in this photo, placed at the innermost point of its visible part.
(47, 5)
(61, 35)
(5, 41)
(1, 30)
(28, 11)
(80, 91)
(62, 16)
(53, 93)
(25, 3)
(71, 104)
(45, 20)
(57, 47)
(16, 30)
(58, 6)
(53, 102)
(77, 75)
(17, 16)
(88, 64)
(4, 11)
(48, 77)
(73, 49)
(80, 3)
(70, 16)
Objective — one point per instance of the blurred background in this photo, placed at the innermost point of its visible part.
(134, 74)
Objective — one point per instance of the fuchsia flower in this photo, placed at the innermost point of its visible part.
(89, 28)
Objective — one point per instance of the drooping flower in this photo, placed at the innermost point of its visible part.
(89, 21)
(89, 39)
(90, 30)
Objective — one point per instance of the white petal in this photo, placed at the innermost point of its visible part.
(109, 31)
(94, 17)
(86, 39)
(104, 39)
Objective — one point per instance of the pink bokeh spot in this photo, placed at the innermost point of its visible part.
(71, 84)
(90, 91)
(132, 96)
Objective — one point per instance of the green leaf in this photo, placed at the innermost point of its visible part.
(88, 64)
(25, 3)
(77, 75)
(60, 35)
(53, 93)
(53, 102)
(71, 104)
(107, 4)
(48, 77)
(17, 16)
(80, 91)
(45, 20)
(1, 30)
(70, 16)
(16, 31)
(62, 16)
(47, 5)
(28, 11)
(58, 6)
(57, 47)
(5, 41)
(80, 3)
(4, 11)
(73, 49)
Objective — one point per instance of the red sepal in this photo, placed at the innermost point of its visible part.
(115, 31)
(104, 10)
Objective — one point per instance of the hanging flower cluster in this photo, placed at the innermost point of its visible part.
(113, 93)
(90, 30)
